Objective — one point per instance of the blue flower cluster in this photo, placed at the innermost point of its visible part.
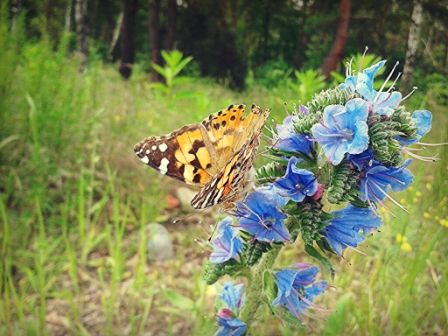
(362, 134)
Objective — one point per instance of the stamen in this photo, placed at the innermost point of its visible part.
(385, 82)
(395, 82)
(431, 144)
(409, 94)
(408, 151)
(285, 104)
(362, 59)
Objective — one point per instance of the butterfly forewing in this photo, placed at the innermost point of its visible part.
(216, 153)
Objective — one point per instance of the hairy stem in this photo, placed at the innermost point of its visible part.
(255, 287)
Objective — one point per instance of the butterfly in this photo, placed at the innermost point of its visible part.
(216, 154)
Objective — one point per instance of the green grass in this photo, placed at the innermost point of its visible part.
(75, 201)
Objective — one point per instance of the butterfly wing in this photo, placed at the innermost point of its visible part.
(197, 152)
(234, 180)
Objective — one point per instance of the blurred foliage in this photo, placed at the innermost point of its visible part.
(257, 40)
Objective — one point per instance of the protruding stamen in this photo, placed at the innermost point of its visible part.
(385, 82)
(409, 94)
(392, 87)
(285, 104)
(362, 59)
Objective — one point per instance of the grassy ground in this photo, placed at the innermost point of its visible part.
(75, 201)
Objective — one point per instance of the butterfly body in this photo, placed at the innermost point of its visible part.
(216, 154)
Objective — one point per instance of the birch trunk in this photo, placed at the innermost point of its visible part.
(411, 52)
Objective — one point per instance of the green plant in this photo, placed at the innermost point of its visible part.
(174, 63)
(309, 83)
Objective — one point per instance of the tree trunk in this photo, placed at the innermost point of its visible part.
(115, 35)
(411, 52)
(68, 16)
(82, 31)
(127, 37)
(154, 39)
(335, 55)
(16, 6)
(445, 58)
(172, 27)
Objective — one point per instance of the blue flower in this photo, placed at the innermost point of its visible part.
(362, 160)
(230, 327)
(344, 130)
(378, 101)
(291, 141)
(366, 77)
(378, 178)
(343, 230)
(422, 120)
(259, 216)
(227, 244)
(271, 193)
(232, 296)
(297, 183)
(296, 288)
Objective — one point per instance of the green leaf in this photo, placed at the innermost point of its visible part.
(323, 259)
(336, 321)
(159, 69)
(269, 285)
(179, 300)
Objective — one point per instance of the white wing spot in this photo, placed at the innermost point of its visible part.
(154, 148)
(163, 147)
(145, 159)
(163, 168)
(147, 151)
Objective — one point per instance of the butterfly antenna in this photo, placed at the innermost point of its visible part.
(175, 221)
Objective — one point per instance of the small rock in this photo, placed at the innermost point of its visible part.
(159, 246)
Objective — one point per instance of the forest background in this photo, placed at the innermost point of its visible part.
(81, 81)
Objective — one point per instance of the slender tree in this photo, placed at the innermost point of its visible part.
(411, 52)
(127, 37)
(172, 25)
(68, 16)
(16, 6)
(335, 54)
(82, 30)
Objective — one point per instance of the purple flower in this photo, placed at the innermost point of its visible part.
(344, 130)
(259, 216)
(230, 327)
(232, 296)
(297, 183)
(297, 290)
(227, 244)
(343, 230)
(378, 178)
(289, 140)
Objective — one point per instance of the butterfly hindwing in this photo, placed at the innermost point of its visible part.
(216, 154)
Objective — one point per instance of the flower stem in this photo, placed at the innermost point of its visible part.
(255, 287)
